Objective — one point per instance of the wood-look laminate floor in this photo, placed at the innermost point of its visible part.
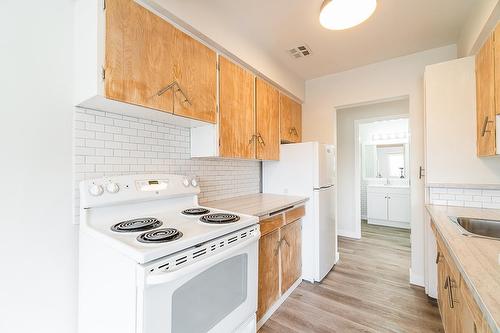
(367, 291)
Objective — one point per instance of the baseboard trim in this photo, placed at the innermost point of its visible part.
(277, 304)
(349, 234)
(385, 223)
(417, 280)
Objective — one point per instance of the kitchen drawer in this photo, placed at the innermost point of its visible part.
(270, 224)
(294, 214)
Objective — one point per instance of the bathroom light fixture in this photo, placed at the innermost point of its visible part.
(344, 14)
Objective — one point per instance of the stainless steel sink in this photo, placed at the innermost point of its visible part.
(478, 227)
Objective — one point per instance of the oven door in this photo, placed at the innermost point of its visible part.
(215, 294)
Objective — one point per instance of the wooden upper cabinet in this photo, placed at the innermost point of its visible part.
(485, 99)
(236, 111)
(267, 116)
(497, 68)
(138, 56)
(195, 69)
(291, 120)
(144, 54)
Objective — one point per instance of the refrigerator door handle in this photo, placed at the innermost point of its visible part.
(322, 187)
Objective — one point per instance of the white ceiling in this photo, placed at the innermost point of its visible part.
(398, 27)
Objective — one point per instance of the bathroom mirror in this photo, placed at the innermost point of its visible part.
(385, 160)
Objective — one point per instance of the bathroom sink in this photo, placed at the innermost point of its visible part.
(478, 227)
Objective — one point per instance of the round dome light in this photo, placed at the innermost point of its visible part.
(344, 14)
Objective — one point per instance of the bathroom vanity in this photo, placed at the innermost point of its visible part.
(389, 205)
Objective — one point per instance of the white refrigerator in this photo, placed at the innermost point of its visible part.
(309, 169)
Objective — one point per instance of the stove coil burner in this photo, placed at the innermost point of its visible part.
(219, 218)
(135, 225)
(160, 236)
(195, 211)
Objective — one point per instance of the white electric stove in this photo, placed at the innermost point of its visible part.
(152, 260)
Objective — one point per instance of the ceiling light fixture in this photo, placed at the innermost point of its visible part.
(344, 14)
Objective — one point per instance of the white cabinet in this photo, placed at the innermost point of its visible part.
(389, 206)
(377, 206)
(399, 207)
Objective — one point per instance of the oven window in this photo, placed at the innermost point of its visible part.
(202, 302)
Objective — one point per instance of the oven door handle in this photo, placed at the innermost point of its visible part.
(165, 277)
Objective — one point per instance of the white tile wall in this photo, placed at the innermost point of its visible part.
(110, 144)
(479, 198)
(364, 200)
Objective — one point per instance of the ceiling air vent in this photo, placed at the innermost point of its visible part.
(300, 51)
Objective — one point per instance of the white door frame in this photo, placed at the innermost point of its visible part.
(357, 163)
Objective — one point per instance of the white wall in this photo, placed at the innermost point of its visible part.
(477, 28)
(451, 127)
(384, 80)
(198, 17)
(38, 247)
(348, 199)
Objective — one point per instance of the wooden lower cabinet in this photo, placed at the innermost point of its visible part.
(458, 309)
(448, 294)
(280, 257)
(269, 290)
(291, 254)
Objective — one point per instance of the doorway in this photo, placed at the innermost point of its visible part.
(349, 150)
(383, 166)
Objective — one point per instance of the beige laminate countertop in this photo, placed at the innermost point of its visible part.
(478, 259)
(259, 204)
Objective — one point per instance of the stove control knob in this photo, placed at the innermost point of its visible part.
(185, 182)
(96, 190)
(112, 187)
(194, 182)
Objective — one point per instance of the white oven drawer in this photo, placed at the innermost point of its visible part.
(213, 293)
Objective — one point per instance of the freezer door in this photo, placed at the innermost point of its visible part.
(326, 231)
(326, 165)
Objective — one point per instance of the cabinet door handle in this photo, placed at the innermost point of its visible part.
(421, 172)
(485, 125)
(260, 139)
(437, 257)
(286, 242)
(448, 285)
(252, 138)
(175, 87)
(277, 247)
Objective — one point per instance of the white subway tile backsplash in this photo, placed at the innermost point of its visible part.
(473, 191)
(108, 144)
(112, 129)
(473, 204)
(455, 191)
(481, 198)
(466, 197)
(493, 205)
(493, 193)
(463, 197)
